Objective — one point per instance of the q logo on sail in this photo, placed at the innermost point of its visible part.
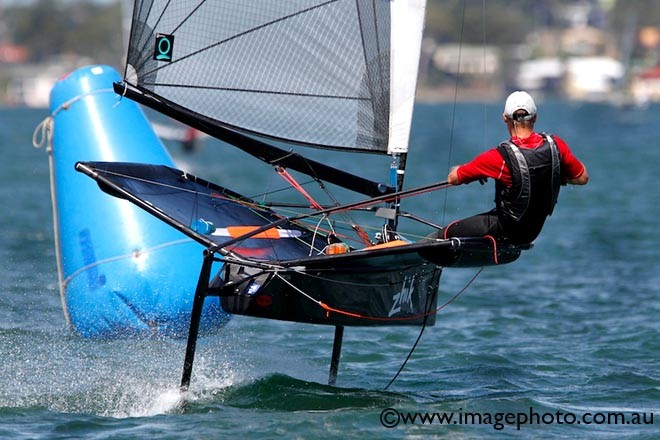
(164, 47)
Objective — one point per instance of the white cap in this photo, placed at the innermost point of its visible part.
(519, 101)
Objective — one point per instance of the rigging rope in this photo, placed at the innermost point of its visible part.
(43, 137)
(284, 174)
(421, 332)
(453, 113)
(43, 134)
(334, 209)
(330, 309)
(485, 71)
(444, 210)
(346, 216)
(135, 254)
(414, 346)
(425, 315)
(364, 238)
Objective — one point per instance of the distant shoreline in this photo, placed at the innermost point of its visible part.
(429, 95)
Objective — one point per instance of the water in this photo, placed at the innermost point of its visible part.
(570, 328)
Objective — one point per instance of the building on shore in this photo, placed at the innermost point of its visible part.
(29, 85)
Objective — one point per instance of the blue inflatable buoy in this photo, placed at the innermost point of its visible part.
(122, 272)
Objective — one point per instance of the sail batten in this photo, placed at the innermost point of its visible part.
(306, 72)
(267, 92)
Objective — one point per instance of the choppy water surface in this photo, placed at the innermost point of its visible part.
(569, 329)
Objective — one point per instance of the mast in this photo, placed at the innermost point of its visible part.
(407, 27)
(400, 174)
(396, 176)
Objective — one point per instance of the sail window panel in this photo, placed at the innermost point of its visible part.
(311, 72)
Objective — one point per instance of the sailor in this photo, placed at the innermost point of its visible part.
(191, 140)
(528, 170)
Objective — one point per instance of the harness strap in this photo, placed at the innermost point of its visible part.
(556, 170)
(519, 169)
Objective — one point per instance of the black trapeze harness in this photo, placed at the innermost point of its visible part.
(536, 177)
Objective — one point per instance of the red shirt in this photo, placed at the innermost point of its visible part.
(491, 163)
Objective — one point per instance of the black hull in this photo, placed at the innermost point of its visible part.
(386, 290)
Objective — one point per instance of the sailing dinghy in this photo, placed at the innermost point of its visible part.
(337, 74)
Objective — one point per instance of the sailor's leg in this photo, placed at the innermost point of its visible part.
(476, 226)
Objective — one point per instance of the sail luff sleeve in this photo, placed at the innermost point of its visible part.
(259, 149)
(407, 30)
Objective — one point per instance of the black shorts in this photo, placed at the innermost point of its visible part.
(476, 226)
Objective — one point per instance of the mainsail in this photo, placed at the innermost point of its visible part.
(332, 74)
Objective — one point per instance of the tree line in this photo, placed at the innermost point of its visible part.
(82, 27)
(51, 27)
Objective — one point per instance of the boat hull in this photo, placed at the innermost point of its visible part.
(122, 272)
(390, 289)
